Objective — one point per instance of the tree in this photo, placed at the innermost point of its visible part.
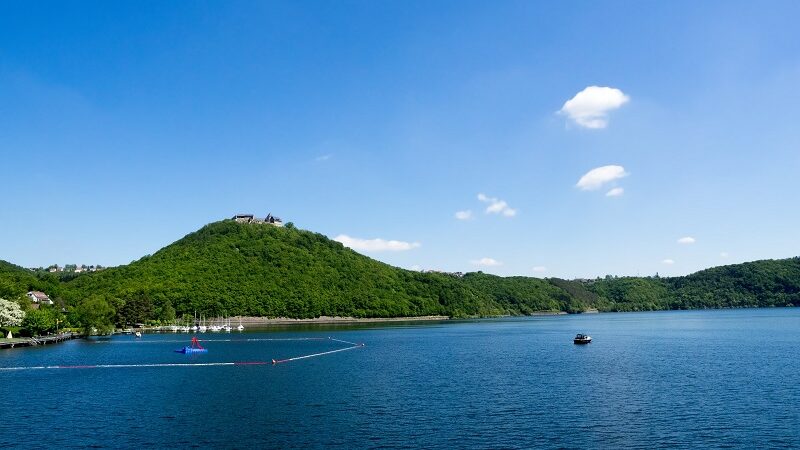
(40, 321)
(95, 316)
(137, 309)
(167, 312)
(11, 315)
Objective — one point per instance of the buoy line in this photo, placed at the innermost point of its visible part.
(297, 358)
(172, 341)
(353, 346)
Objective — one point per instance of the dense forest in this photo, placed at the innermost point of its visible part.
(227, 268)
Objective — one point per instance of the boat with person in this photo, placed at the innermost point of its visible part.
(582, 339)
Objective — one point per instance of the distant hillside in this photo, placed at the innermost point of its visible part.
(230, 268)
(753, 284)
(15, 281)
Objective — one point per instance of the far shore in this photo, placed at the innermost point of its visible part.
(329, 319)
(251, 320)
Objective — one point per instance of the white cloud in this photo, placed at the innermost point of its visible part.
(723, 254)
(375, 245)
(497, 206)
(323, 157)
(596, 178)
(540, 269)
(416, 268)
(668, 261)
(616, 192)
(464, 215)
(687, 240)
(589, 108)
(486, 262)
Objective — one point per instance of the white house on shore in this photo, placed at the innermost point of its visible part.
(39, 297)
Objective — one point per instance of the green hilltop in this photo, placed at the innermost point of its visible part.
(229, 268)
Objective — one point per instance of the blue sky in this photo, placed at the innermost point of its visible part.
(126, 125)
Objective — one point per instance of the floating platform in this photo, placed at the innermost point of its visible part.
(194, 348)
(188, 349)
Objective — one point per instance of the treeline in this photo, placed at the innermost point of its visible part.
(230, 269)
(765, 283)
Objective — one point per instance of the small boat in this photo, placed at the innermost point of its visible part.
(194, 348)
(138, 334)
(582, 339)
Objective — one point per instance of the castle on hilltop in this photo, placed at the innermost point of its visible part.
(249, 218)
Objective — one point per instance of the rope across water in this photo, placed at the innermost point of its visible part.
(351, 346)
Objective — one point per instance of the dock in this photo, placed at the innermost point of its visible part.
(36, 341)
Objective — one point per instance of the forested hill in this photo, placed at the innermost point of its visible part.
(752, 284)
(228, 268)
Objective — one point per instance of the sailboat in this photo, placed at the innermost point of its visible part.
(202, 328)
(240, 327)
(216, 327)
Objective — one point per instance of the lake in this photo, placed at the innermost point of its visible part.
(726, 378)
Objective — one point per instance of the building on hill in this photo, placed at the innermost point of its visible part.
(270, 219)
(249, 218)
(39, 297)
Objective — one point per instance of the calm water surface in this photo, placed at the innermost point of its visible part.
(668, 379)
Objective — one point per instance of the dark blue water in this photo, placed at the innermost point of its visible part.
(669, 379)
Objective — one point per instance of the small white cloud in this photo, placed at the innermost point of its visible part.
(464, 215)
(616, 192)
(668, 261)
(323, 157)
(375, 245)
(416, 267)
(723, 254)
(540, 269)
(486, 262)
(687, 240)
(596, 178)
(589, 108)
(497, 206)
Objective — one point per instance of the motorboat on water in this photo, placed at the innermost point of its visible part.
(582, 339)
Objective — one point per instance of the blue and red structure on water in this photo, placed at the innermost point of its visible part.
(194, 348)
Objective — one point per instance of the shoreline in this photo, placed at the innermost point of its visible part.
(251, 320)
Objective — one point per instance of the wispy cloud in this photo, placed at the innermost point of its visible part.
(616, 192)
(540, 269)
(497, 206)
(668, 261)
(597, 177)
(589, 108)
(322, 158)
(687, 240)
(486, 262)
(375, 245)
(464, 215)
(723, 254)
